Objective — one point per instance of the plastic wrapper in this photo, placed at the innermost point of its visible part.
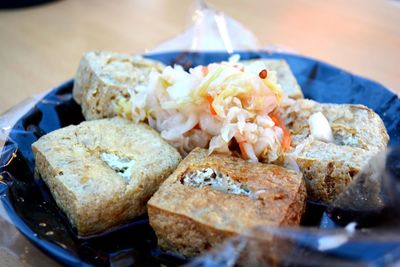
(359, 228)
(211, 30)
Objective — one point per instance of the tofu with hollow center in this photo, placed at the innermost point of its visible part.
(210, 198)
(333, 148)
(101, 173)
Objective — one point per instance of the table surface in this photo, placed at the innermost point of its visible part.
(41, 46)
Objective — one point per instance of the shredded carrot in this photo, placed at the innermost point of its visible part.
(204, 69)
(243, 151)
(286, 139)
(286, 134)
(210, 99)
(274, 119)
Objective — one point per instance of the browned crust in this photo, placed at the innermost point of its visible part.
(328, 168)
(182, 234)
(103, 199)
(64, 197)
(296, 209)
(325, 180)
(100, 87)
(189, 220)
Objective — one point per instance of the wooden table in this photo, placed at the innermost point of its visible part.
(40, 47)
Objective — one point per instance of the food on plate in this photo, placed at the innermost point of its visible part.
(252, 109)
(210, 198)
(285, 77)
(331, 143)
(209, 105)
(103, 81)
(101, 173)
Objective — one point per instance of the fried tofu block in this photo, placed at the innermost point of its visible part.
(103, 80)
(210, 198)
(102, 173)
(285, 76)
(328, 167)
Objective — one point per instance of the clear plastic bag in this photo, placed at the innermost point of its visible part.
(211, 30)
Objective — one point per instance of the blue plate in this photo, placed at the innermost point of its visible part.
(29, 203)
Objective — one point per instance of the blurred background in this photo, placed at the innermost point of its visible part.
(41, 45)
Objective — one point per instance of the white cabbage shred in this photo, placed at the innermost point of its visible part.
(211, 106)
(320, 128)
